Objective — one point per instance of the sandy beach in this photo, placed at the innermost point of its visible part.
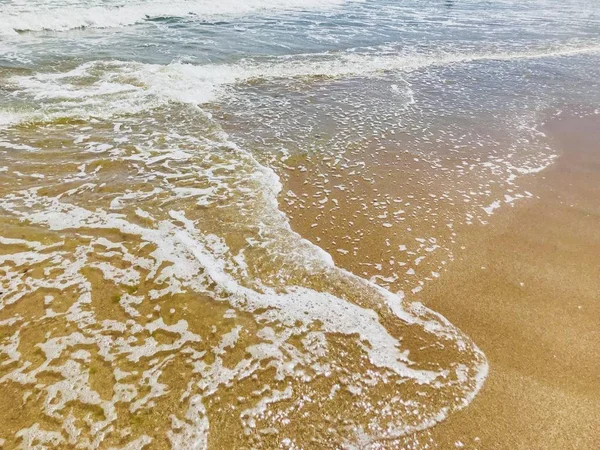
(534, 309)
(525, 287)
(299, 225)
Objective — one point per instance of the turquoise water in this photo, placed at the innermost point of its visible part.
(154, 291)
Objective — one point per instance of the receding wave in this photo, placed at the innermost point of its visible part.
(171, 281)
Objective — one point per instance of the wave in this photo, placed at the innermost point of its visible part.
(272, 276)
(38, 17)
(129, 87)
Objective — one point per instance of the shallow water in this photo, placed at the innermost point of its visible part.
(153, 292)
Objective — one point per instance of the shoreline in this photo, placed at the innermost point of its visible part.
(523, 288)
(536, 310)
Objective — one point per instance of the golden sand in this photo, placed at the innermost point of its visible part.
(117, 322)
(148, 301)
(525, 287)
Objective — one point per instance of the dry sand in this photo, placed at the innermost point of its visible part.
(526, 288)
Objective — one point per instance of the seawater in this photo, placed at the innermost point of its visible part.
(153, 293)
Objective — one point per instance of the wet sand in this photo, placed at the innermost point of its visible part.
(535, 309)
(526, 288)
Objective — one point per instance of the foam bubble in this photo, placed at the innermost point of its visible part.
(38, 16)
(174, 252)
(128, 88)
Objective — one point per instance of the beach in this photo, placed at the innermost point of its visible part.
(299, 224)
(525, 287)
(534, 308)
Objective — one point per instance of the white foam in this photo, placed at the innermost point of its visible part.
(184, 258)
(34, 437)
(492, 207)
(38, 16)
(190, 256)
(127, 88)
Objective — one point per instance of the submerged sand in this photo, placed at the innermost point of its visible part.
(149, 301)
(525, 286)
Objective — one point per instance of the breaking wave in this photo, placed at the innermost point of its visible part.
(63, 16)
(131, 87)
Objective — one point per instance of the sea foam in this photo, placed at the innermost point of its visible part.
(128, 87)
(38, 16)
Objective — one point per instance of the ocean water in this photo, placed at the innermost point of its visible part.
(158, 159)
